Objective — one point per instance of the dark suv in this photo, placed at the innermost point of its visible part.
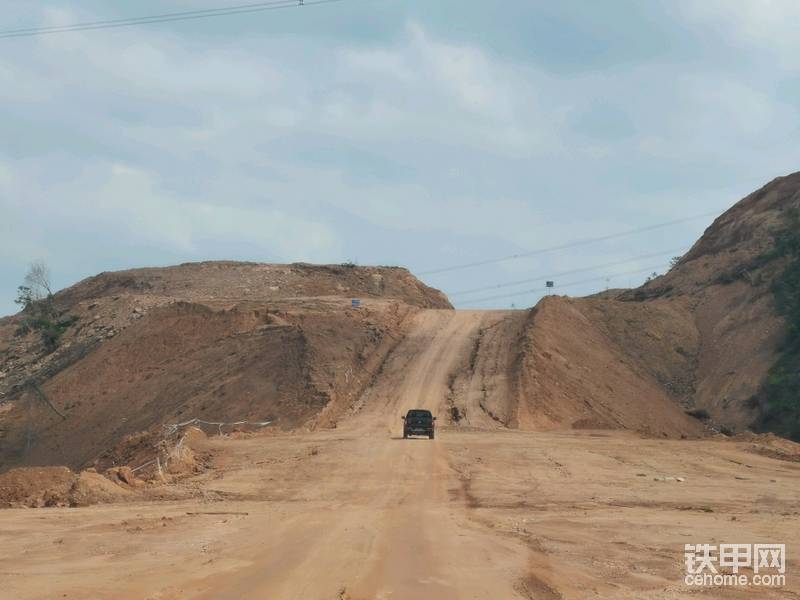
(418, 422)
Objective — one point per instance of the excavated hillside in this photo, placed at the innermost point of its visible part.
(228, 342)
(221, 341)
(330, 500)
(705, 335)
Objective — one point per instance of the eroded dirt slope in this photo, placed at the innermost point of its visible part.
(358, 513)
(546, 369)
(230, 341)
(726, 285)
(237, 281)
(704, 335)
(574, 373)
(110, 302)
(222, 342)
(189, 360)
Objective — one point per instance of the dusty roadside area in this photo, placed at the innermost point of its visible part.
(481, 512)
(472, 514)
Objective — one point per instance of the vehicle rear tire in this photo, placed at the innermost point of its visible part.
(431, 435)
(405, 435)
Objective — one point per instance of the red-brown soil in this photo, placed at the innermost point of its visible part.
(223, 342)
(558, 468)
(229, 342)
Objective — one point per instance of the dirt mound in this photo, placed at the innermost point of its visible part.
(238, 281)
(226, 342)
(219, 341)
(573, 372)
(39, 487)
(770, 445)
(93, 488)
(705, 334)
(700, 340)
(292, 364)
(105, 305)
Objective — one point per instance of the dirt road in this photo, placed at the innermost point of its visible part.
(359, 513)
(421, 371)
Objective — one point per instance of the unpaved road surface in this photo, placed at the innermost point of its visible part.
(480, 512)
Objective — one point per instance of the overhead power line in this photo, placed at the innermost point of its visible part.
(573, 244)
(570, 272)
(566, 285)
(135, 20)
(164, 17)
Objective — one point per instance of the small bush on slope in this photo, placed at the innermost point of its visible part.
(782, 390)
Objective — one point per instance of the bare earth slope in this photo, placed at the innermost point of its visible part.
(551, 475)
(726, 289)
(704, 335)
(358, 513)
(229, 342)
(575, 373)
(237, 281)
(217, 341)
(225, 341)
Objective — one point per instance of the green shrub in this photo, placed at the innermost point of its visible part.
(782, 389)
(39, 312)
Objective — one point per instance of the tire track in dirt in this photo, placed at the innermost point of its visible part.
(408, 537)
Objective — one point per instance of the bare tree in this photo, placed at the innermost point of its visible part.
(36, 289)
(40, 314)
(38, 280)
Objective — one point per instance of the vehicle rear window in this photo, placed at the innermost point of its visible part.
(419, 414)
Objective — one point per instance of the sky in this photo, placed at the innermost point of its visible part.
(422, 134)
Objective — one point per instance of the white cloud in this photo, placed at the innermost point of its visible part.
(187, 144)
(426, 89)
(763, 25)
(122, 202)
(476, 83)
